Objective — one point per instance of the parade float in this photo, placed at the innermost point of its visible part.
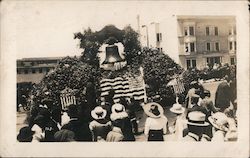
(124, 68)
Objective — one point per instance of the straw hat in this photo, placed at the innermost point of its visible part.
(197, 118)
(117, 108)
(177, 108)
(98, 113)
(150, 107)
(219, 120)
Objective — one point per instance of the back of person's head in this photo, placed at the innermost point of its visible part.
(194, 100)
(198, 130)
(41, 121)
(155, 110)
(64, 135)
(72, 111)
(25, 134)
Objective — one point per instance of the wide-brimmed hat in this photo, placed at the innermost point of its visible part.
(98, 113)
(150, 107)
(177, 108)
(117, 108)
(197, 118)
(219, 120)
(25, 134)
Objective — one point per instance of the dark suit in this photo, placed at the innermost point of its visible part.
(223, 96)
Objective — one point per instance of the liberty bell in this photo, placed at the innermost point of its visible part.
(112, 55)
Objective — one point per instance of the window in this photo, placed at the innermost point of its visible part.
(159, 37)
(40, 70)
(208, 47)
(207, 31)
(186, 47)
(217, 46)
(18, 71)
(212, 60)
(216, 31)
(33, 71)
(191, 47)
(235, 46)
(26, 71)
(191, 63)
(230, 45)
(230, 31)
(191, 31)
(232, 61)
(185, 31)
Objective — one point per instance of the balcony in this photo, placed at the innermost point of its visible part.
(189, 39)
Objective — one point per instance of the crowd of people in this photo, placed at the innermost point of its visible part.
(199, 119)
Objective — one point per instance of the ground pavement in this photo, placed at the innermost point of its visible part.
(209, 85)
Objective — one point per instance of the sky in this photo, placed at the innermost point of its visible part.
(46, 28)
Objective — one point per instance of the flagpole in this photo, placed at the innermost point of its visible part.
(144, 85)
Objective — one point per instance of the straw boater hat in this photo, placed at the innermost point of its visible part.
(219, 120)
(150, 106)
(117, 108)
(197, 118)
(98, 113)
(177, 108)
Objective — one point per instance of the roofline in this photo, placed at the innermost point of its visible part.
(44, 58)
(205, 17)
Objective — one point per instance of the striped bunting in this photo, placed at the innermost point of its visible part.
(178, 85)
(123, 87)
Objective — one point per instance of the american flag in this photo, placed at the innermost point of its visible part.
(177, 84)
(124, 87)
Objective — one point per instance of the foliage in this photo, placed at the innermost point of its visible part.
(159, 69)
(71, 73)
(131, 43)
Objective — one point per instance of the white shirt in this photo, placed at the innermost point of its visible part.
(219, 136)
(156, 124)
(179, 127)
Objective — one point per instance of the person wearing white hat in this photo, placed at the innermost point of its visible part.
(99, 127)
(120, 119)
(221, 126)
(180, 120)
(156, 123)
(196, 123)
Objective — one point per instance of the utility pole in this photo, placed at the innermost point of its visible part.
(147, 34)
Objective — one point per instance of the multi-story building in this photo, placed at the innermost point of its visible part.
(204, 41)
(34, 69)
(151, 35)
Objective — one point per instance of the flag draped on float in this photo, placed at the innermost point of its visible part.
(177, 84)
(125, 87)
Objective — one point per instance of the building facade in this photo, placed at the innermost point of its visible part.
(204, 41)
(34, 69)
(151, 35)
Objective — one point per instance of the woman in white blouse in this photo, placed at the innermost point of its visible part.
(156, 123)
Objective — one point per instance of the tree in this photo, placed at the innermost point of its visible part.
(89, 42)
(131, 44)
(70, 72)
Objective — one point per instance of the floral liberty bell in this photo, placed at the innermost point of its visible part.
(113, 61)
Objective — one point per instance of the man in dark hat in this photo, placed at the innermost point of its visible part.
(223, 95)
(80, 128)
